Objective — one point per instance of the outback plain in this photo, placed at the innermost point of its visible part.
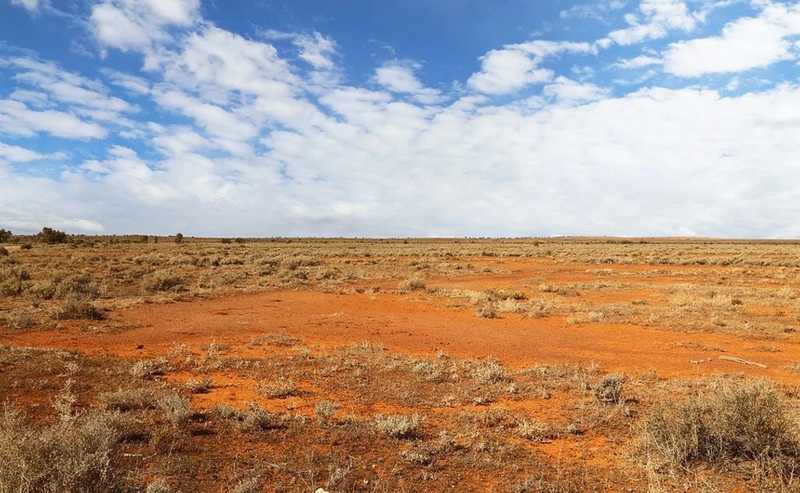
(520, 365)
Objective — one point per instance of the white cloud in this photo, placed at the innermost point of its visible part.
(398, 76)
(656, 19)
(30, 5)
(514, 67)
(744, 44)
(640, 61)
(569, 91)
(17, 119)
(17, 154)
(134, 25)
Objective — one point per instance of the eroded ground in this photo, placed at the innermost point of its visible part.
(397, 365)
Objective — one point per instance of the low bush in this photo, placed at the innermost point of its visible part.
(162, 281)
(78, 308)
(70, 456)
(399, 426)
(744, 421)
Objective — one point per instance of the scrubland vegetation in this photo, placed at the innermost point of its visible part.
(281, 409)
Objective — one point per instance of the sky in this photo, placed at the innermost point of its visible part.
(401, 118)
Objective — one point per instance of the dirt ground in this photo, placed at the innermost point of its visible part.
(497, 354)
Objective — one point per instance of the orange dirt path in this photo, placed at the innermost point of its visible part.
(419, 325)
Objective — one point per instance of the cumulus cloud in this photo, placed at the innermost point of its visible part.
(134, 25)
(400, 77)
(514, 67)
(17, 119)
(744, 44)
(654, 20)
(17, 154)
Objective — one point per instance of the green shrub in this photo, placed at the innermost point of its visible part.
(51, 236)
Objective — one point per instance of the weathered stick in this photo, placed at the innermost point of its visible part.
(742, 361)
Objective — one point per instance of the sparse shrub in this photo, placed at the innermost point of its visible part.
(51, 236)
(19, 320)
(249, 485)
(609, 390)
(159, 486)
(162, 281)
(199, 386)
(745, 421)
(399, 426)
(78, 308)
(13, 281)
(175, 408)
(149, 368)
(81, 286)
(490, 371)
(70, 456)
(413, 284)
(128, 399)
(535, 431)
(325, 409)
(487, 310)
(278, 389)
(256, 418)
(5, 235)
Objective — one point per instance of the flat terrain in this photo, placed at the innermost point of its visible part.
(406, 365)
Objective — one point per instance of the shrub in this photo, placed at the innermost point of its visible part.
(51, 236)
(201, 386)
(413, 284)
(490, 371)
(734, 421)
(486, 311)
(78, 308)
(162, 281)
(13, 281)
(149, 368)
(5, 235)
(128, 399)
(399, 426)
(257, 419)
(179, 238)
(278, 389)
(80, 285)
(70, 456)
(176, 409)
(3, 252)
(325, 409)
(609, 390)
(26, 246)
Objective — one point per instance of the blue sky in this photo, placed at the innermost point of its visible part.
(429, 118)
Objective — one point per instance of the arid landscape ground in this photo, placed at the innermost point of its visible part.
(554, 365)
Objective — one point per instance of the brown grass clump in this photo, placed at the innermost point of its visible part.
(742, 421)
(70, 456)
(128, 399)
